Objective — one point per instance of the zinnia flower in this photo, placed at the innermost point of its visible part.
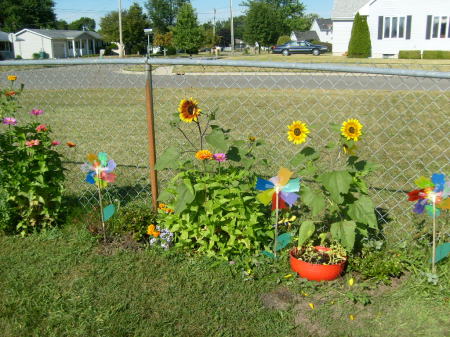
(31, 143)
(151, 230)
(71, 144)
(55, 142)
(351, 129)
(12, 77)
(41, 127)
(298, 131)
(220, 157)
(188, 109)
(10, 93)
(36, 112)
(9, 121)
(203, 154)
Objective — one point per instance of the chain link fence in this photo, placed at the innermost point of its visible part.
(100, 106)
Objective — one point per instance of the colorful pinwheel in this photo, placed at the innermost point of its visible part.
(99, 169)
(435, 190)
(280, 188)
(433, 196)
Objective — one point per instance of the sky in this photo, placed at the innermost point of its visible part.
(71, 10)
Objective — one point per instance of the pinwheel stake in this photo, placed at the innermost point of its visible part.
(280, 190)
(435, 191)
(99, 172)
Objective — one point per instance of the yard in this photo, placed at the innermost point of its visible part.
(67, 282)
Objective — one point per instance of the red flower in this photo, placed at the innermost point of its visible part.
(10, 93)
(415, 195)
(55, 142)
(41, 127)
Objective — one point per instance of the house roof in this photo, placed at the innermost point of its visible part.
(4, 36)
(308, 35)
(325, 24)
(61, 34)
(346, 9)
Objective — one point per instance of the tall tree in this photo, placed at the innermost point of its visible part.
(163, 13)
(133, 23)
(186, 33)
(303, 23)
(223, 29)
(83, 23)
(263, 24)
(18, 14)
(61, 24)
(360, 45)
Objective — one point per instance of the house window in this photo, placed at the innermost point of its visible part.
(401, 27)
(443, 27)
(394, 27)
(387, 27)
(437, 27)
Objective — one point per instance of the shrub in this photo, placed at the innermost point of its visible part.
(360, 45)
(410, 54)
(109, 48)
(171, 51)
(18, 57)
(329, 45)
(283, 39)
(436, 54)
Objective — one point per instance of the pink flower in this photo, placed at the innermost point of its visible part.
(9, 121)
(41, 127)
(55, 142)
(31, 143)
(220, 157)
(36, 112)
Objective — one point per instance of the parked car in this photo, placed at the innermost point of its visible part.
(300, 47)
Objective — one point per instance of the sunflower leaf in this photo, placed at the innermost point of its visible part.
(336, 183)
(217, 140)
(169, 159)
(314, 200)
(344, 232)
(307, 153)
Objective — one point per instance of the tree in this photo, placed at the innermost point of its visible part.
(360, 45)
(163, 13)
(18, 14)
(164, 40)
(186, 33)
(209, 38)
(223, 29)
(83, 23)
(303, 23)
(133, 23)
(263, 24)
(61, 24)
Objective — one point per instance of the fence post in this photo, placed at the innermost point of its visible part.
(151, 134)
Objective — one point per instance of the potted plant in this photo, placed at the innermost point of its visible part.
(338, 202)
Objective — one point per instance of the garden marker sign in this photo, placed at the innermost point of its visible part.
(280, 190)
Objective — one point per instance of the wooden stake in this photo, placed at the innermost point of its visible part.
(433, 257)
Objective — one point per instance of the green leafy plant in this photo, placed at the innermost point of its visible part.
(212, 195)
(9, 103)
(309, 253)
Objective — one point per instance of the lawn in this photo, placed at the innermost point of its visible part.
(64, 283)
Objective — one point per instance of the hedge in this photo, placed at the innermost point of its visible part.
(436, 54)
(329, 45)
(409, 54)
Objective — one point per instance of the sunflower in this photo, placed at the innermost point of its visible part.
(203, 154)
(189, 110)
(351, 129)
(298, 131)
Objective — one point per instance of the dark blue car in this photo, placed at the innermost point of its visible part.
(300, 47)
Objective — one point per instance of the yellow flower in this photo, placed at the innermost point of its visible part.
(203, 154)
(298, 131)
(351, 281)
(12, 77)
(151, 230)
(188, 109)
(252, 139)
(351, 129)
(162, 205)
(351, 317)
(311, 305)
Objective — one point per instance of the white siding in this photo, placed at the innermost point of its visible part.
(342, 31)
(324, 36)
(31, 43)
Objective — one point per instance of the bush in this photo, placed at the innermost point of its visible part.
(171, 51)
(436, 55)
(40, 55)
(18, 57)
(283, 39)
(329, 45)
(360, 45)
(109, 48)
(409, 54)
(4, 206)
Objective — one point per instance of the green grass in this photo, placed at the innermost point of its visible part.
(63, 283)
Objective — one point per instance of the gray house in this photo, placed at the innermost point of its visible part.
(304, 36)
(56, 43)
(6, 47)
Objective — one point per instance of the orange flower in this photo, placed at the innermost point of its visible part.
(203, 154)
(151, 230)
(12, 77)
(71, 144)
(162, 205)
(10, 93)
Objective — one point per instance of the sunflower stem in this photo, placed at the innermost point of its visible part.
(182, 132)
(200, 133)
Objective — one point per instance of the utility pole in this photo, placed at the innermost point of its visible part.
(120, 30)
(214, 25)
(232, 27)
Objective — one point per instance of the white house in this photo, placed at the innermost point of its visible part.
(324, 29)
(56, 43)
(6, 46)
(394, 25)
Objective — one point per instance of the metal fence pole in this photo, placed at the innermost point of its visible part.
(151, 134)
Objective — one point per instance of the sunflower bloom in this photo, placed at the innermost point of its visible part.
(189, 110)
(12, 77)
(351, 129)
(298, 132)
(203, 154)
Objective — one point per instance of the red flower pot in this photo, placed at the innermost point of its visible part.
(315, 272)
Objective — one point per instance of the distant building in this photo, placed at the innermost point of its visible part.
(6, 46)
(304, 36)
(324, 29)
(394, 25)
(56, 43)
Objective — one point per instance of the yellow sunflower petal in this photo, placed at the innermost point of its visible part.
(298, 132)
